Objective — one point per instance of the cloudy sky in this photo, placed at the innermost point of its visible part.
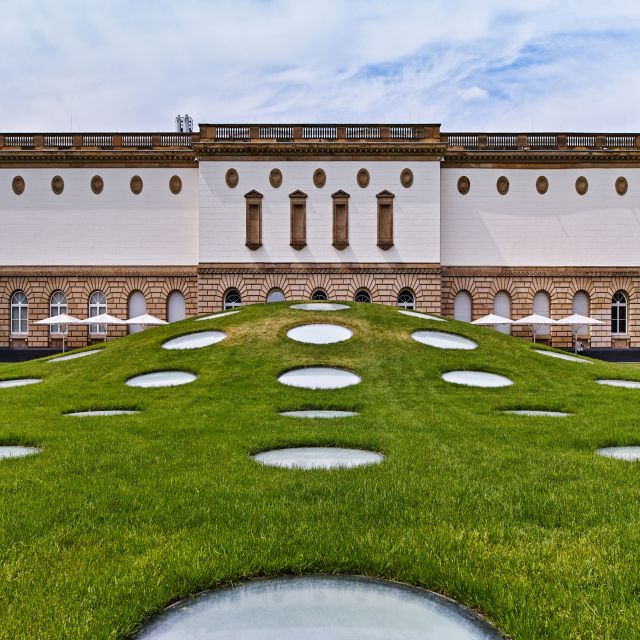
(130, 65)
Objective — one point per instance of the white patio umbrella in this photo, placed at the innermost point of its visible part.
(576, 321)
(491, 320)
(62, 319)
(145, 320)
(103, 318)
(535, 320)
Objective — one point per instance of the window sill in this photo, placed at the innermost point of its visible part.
(19, 336)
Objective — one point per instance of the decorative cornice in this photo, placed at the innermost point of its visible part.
(496, 272)
(454, 159)
(310, 268)
(89, 271)
(97, 158)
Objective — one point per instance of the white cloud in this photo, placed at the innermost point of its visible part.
(474, 93)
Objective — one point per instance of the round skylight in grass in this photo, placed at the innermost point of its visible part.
(195, 340)
(630, 454)
(627, 384)
(319, 378)
(319, 333)
(417, 314)
(161, 379)
(476, 379)
(18, 382)
(442, 340)
(217, 315)
(318, 413)
(320, 306)
(75, 356)
(318, 607)
(101, 412)
(562, 356)
(14, 451)
(318, 458)
(535, 413)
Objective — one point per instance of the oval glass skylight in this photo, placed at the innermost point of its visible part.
(75, 356)
(627, 384)
(320, 306)
(195, 340)
(101, 412)
(319, 378)
(161, 379)
(535, 413)
(630, 454)
(562, 356)
(319, 334)
(318, 413)
(477, 379)
(442, 340)
(18, 382)
(318, 458)
(319, 608)
(217, 315)
(417, 314)
(15, 451)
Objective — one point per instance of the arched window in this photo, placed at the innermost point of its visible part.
(580, 306)
(362, 295)
(502, 307)
(97, 306)
(19, 313)
(175, 307)
(319, 294)
(232, 299)
(462, 306)
(57, 306)
(619, 310)
(137, 307)
(542, 307)
(275, 295)
(406, 299)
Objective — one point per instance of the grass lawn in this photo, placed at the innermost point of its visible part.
(513, 516)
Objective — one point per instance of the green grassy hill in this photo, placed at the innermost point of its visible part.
(513, 516)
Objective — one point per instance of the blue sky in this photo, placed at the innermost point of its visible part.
(495, 65)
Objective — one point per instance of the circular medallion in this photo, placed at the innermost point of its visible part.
(406, 178)
(542, 185)
(97, 184)
(621, 185)
(319, 178)
(232, 178)
(136, 184)
(57, 185)
(18, 185)
(363, 178)
(502, 185)
(582, 185)
(175, 185)
(275, 178)
(464, 185)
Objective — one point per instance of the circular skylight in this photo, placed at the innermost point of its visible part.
(14, 451)
(317, 458)
(442, 340)
(630, 454)
(417, 314)
(319, 607)
(562, 356)
(195, 340)
(320, 306)
(627, 384)
(319, 378)
(319, 333)
(536, 413)
(476, 379)
(18, 382)
(161, 379)
(101, 412)
(318, 413)
(217, 315)
(75, 356)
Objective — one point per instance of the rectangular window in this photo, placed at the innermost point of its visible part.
(298, 219)
(340, 220)
(254, 220)
(385, 220)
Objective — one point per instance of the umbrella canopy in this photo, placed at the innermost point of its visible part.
(61, 318)
(535, 319)
(492, 319)
(104, 318)
(578, 320)
(146, 320)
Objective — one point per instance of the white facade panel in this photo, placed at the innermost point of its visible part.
(524, 228)
(115, 227)
(416, 212)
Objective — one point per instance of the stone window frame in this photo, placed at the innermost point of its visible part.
(57, 307)
(19, 313)
(619, 303)
(319, 294)
(406, 292)
(272, 291)
(97, 306)
(364, 294)
(340, 209)
(253, 219)
(385, 219)
(232, 299)
(298, 220)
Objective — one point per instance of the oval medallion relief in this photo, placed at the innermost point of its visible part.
(136, 185)
(319, 178)
(57, 185)
(363, 178)
(275, 178)
(502, 185)
(542, 185)
(175, 185)
(18, 185)
(97, 184)
(621, 185)
(582, 185)
(406, 178)
(232, 178)
(464, 184)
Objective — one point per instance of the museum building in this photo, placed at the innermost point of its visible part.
(458, 224)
